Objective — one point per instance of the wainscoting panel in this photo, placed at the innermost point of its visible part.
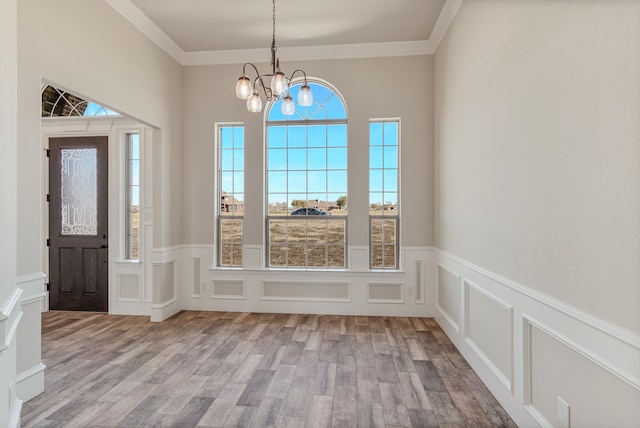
(386, 293)
(488, 328)
(559, 368)
(228, 290)
(128, 287)
(306, 291)
(409, 291)
(448, 297)
(530, 349)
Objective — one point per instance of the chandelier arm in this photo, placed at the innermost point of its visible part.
(265, 88)
(299, 71)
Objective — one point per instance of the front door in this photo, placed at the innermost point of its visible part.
(78, 254)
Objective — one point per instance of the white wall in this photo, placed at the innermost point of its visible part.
(538, 197)
(9, 292)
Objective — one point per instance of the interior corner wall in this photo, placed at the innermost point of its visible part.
(538, 198)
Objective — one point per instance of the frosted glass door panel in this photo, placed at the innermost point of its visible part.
(79, 184)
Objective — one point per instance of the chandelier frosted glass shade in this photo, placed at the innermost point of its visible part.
(305, 96)
(254, 103)
(287, 107)
(279, 83)
(243, 88)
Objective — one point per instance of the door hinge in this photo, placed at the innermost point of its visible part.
(48, 198)
(47, 152)
(48, 242)
(48, 286)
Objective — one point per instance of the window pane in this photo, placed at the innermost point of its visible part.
(297, 136)
(375, 157)
(390, 133)
(297, 159)
(278, 230)
(296, 255)
(375, 180)
(317, 255)
(277, 255)
(336, 232)
(336, 256)
(337, 158)
(337, 181)
(226, 138)
(317, 135)
(238, 137)
(317, 181)
(227, 182)
(277, 159)
(297, 230)
(391, 157)
(277, 136)
(318, 159)
(277, 204)
(390, 179)
(337, 136)
(375, 134)
(297, 181)
(277, 182)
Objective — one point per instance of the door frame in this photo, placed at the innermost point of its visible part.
(95, 243)
(114, 128)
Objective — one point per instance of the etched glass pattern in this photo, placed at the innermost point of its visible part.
(79, 190)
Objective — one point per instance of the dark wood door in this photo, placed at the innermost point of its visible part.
(78, 253)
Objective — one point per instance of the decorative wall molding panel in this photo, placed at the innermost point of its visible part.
(358, 291)
(527, 347)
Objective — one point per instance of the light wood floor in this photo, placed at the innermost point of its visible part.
(255, 370)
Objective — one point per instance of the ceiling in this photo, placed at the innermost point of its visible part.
(223, 31)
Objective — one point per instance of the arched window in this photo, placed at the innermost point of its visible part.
(306, 158)
(59, 103)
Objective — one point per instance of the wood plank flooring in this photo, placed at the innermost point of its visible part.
(214, 369)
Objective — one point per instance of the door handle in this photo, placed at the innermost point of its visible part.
(103, 246)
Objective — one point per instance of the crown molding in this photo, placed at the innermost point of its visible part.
(139, 20)
(448, 12)
(346, 51)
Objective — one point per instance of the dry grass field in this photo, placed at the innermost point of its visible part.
(313, 242)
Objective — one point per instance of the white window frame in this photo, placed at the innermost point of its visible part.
(287, 218)
(396, 217)
(219, 195)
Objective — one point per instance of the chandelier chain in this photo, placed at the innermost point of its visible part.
(273, 41)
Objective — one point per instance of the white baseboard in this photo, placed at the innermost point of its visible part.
(30, 382)
(163, 311)
(14, 417)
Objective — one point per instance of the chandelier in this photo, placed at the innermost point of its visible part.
(279, 85)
